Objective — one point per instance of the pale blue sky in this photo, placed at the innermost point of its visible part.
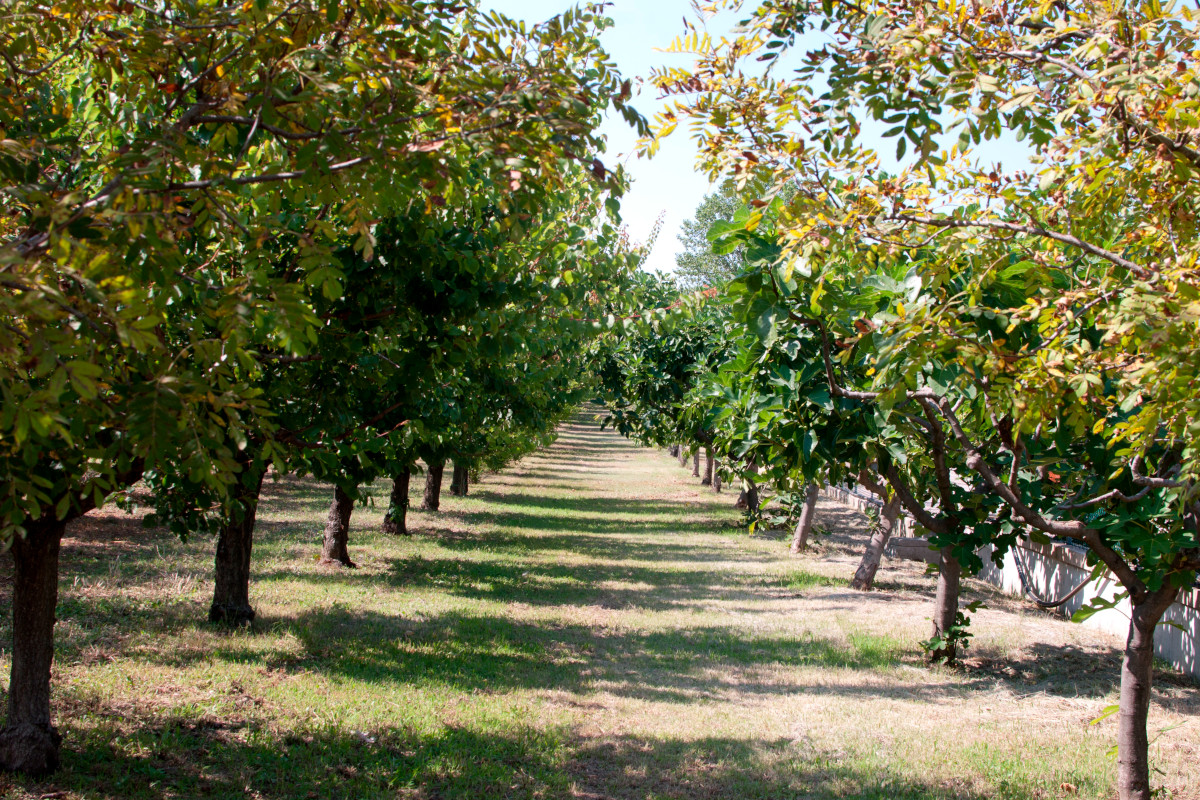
(668, 182)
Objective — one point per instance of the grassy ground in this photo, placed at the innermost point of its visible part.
(589, 624)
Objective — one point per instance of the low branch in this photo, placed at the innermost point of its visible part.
(1024, 513)
(1141, 479)
(910, 503)
(1115, 494)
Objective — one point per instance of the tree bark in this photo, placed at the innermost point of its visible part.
(696, 463)
(716, 482)
(807, 514)
(683, 456)
(396, 519)
(673, 451)
(29, 743)
(748, 497)
(707, 480)
(459, 481)
(864, 576)
(231, 595)
(433, 487)
(946, 604)
(1137, 673)
(337, 530)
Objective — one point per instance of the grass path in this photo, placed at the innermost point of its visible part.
(588, 624)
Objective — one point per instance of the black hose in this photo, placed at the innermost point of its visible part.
(1037, 598)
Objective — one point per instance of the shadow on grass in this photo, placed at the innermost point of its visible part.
(182, 757)
(634, 545)
(595, 523)
(720, 768)
(637, 509)
(236, 758)
(480, 653)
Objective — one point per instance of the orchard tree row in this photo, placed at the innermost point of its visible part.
(1000, 352)
(282, 236)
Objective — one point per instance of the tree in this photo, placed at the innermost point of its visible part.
(645, 374)
(697, 267)
(1089, 258)
(176, 184)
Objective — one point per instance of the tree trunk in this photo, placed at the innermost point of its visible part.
(748, 497)
(807, 514)
(231, 595)
(28, 742)
(683, 456)
(1137, 673)
(673, 451)
(707, 480)
(459, 481)
(946, 604)
(696, 463)
(337, 530)
(716, 483)
(433, 487)
(396, 519)
(864, 576)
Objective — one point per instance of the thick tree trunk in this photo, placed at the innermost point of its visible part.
(696, 463)
(1137, 673)
(807, 514)
(396, 519)
(231, 595)
(864, 576)
(708, 467)
(459, 481)
(946, 604)
(337, 530)
(29, 743)
(433, 487)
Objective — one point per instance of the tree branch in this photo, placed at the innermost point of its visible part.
(1071, 528)
(1032, 230)
(910, 503)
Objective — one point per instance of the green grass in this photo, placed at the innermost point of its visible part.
(801, 579)
(586, 625)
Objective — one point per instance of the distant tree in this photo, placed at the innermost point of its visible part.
(698, 266)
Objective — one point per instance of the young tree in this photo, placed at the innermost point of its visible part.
(882, 529)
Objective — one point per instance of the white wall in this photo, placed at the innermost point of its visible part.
(1055, 570)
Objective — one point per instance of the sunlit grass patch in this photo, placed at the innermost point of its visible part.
(801, 579)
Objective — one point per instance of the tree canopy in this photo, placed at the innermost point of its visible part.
(1019, 344)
